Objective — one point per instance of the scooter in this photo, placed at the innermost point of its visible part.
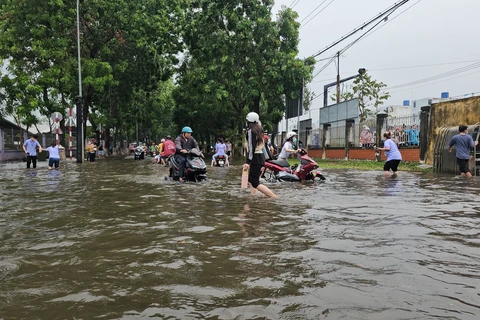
(139, 153)
(280, 170)
(195, 167)
(220, 161)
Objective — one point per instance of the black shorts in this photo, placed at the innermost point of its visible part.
(463, 165)
(392, 164)
(254, 174)
(229, 153)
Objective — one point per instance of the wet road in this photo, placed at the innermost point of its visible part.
(114, 240)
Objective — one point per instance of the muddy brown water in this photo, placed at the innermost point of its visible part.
(114, 240)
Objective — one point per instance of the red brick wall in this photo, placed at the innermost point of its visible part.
(408, 154)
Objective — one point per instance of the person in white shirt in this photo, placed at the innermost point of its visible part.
(287, 148)
(53, 156)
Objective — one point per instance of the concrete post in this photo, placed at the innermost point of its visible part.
(424, 130)
(44, 141)
(324, 140)
(348, 130)
(381, 125)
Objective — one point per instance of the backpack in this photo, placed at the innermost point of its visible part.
(168, 148)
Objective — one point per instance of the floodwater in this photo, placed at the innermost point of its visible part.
(114, 240)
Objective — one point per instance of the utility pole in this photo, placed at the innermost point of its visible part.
(338, 77)
(79, 98)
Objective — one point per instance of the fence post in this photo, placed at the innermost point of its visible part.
(348, 129)
(324, 140)
(381, 122)
(424, 130)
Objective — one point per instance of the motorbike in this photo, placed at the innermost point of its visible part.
(220, 161)
(195, 167)
(139, 153)
(280, 170)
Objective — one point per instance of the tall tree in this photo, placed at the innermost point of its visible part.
(127, 47)
(241, 60)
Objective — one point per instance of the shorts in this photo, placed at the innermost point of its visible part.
(463, 165)
(391, 164)
(101, 152)
(229, 153)
(254, 174)
(53, 162)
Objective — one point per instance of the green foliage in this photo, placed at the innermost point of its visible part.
(370, 95)
(238, 60)
(128, 53)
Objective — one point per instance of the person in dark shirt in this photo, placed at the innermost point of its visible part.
(462, 142)
(183, 143)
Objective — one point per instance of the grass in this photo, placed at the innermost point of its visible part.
(363, 165)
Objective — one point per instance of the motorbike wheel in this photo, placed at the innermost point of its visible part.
(270, 176)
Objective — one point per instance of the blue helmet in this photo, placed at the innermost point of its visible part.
(187, 129)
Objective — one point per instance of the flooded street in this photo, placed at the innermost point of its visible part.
(115, 240)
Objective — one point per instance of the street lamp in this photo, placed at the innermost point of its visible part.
(337, 83)
(79, 98)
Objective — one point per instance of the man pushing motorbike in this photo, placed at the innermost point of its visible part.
(183, 143)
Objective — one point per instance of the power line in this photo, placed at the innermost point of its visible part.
(438, 76)
(294, 3)
(390, 20)
(379, 16)
(430, 84)
(313, 11)
(316, 14)
(419, 66)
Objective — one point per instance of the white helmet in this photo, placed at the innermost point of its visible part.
(253, 117)
(291, 134)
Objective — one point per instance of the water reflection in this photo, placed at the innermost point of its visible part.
(117, 240)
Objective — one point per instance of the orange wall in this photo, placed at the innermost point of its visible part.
(408, 154)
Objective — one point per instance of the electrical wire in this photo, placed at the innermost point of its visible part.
(414, 67)
(303, 25)
(438, 76)
(426, 85)
(313, 11)
(372, 20)
(390, 20)
(293, 4)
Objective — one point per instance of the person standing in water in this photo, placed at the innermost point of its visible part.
(255, 157)
(30, 149)
(394, 157)
(53, 156)
(462, 142)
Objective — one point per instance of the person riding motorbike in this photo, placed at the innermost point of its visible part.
(220, 150)
(287, 148)
(153, 148)
(183, 143)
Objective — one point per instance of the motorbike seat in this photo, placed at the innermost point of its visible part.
(281, 162)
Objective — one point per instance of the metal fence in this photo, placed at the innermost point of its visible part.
(405, 132)
(14, 138)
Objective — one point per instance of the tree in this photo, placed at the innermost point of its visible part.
(239, 60)
(369, 93)
(128, 49)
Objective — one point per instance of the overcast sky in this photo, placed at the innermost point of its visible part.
(430, 38)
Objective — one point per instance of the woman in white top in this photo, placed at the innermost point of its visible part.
(53, 156)
(287, 148)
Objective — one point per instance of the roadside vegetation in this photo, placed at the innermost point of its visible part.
(364, 165)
